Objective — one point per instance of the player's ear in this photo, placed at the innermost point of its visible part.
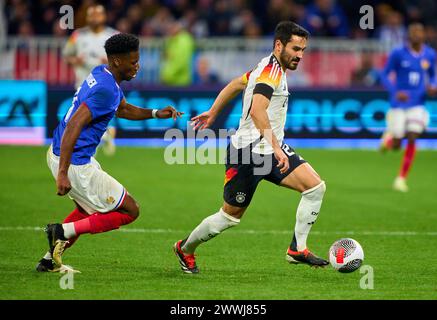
(278, 44)
(116, 61)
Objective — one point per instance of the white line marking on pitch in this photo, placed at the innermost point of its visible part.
(273, 232)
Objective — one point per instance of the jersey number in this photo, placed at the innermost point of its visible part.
(413, 78)
(288, 151)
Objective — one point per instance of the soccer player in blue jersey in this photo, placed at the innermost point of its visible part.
(414, 68)
(102, 203)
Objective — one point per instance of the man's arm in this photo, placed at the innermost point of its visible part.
(70, 51)
(74, 127)
(388, 69)
(127, 111)
(259, 116)
(258, 113)
(232, 89)
(432, 86)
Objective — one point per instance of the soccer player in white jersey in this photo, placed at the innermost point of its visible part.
(85, 50)
(257, 151)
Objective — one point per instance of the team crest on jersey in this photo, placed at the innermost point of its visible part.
(241, 196)
(424, 64)
(110, 200)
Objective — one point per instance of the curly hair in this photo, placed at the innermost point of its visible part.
(121, 43)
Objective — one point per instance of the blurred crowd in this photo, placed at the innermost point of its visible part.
(247, 18)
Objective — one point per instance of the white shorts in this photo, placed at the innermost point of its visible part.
(91, 187)
(400, 121)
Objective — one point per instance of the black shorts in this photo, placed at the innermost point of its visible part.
(245, 169)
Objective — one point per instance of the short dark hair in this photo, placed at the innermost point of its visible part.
(285, 29)
(121, 43)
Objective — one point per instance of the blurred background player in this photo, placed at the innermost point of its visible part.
(102, 203)
(84, 50)
(257, 143)
(413, 68)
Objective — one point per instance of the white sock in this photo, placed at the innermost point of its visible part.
(69, 231)
(208, 229)
(307, 213)
(48, 256)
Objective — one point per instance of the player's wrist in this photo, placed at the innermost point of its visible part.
(155, 113)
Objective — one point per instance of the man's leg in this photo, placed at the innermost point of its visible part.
(46, 263)
(392, 137)
(417, 119)
(59, 234)
(228, 216)
(305, 180)
(400, 183)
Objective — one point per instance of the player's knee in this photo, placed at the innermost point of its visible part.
(316, 193)
(136, 210)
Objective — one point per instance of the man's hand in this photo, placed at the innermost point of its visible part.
(168, 112)
(282, 158)
(63, 184)
(203, 121)
(402, 96)
(432, 91)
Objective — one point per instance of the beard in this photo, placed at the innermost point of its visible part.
(287, 60)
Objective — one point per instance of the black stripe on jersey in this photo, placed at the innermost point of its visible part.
(248, 111)
(263, 89)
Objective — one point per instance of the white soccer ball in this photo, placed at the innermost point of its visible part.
(346, 255)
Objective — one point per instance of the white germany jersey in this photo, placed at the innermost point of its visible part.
(268, 72)
(90, 46)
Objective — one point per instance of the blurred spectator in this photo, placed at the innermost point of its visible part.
(57, 31)
(3, 27)
(124, 25)
(85, 48)
(25, 29)
(275, 11)
(431, 35)
(252, 30)
(196, 25)
(392, 32)
(324, 18)
(366, 74)
(18, 12)
(203, 73)
(161, 21)
(177, 56)
(220, 17)
(135, 17)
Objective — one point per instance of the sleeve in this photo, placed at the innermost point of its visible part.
(100, 102)
(245, 77)
(268, 80)
(70, 48)
(391, 65)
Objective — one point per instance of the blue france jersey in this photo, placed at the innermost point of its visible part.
(414, 71)
(102, 95)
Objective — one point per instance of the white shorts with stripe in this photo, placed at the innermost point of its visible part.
(400, 121)
(91, 187)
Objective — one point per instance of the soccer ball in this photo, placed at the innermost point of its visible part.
(346, 255)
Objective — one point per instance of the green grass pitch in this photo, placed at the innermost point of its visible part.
(397, 231)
